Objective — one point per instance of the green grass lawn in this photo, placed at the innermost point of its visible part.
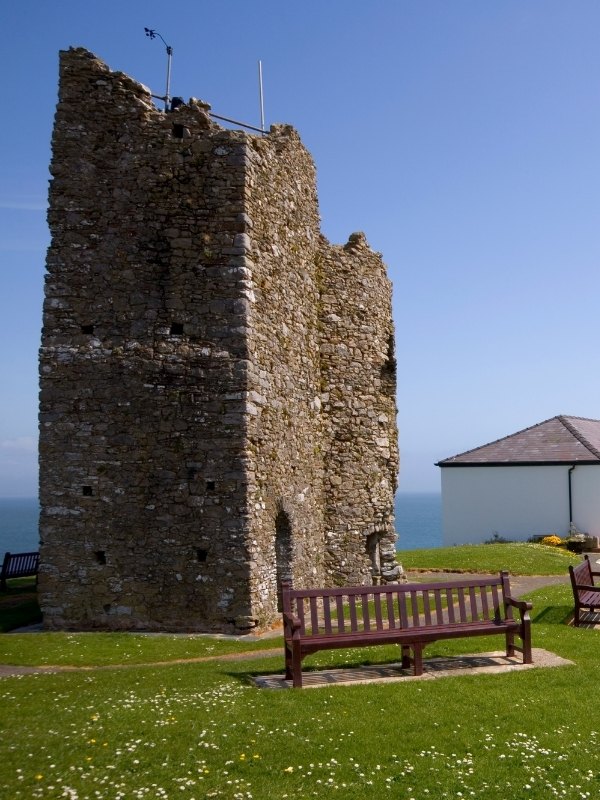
(202, 730)
(519, 558)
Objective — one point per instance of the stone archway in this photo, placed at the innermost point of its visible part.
(373, 547)
(283, 551)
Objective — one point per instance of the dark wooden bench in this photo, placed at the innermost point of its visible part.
(18, 565)
(585, 594)
(409, 614)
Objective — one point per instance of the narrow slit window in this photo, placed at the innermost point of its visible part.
(177, 329)
(178, 131)
(89, 329)
(100, 556)
(87, 491)
(210, 486)
(201, 554)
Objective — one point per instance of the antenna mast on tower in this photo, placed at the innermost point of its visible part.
(152, 34)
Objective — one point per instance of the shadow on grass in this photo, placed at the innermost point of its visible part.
(18, 605)
(554, 615)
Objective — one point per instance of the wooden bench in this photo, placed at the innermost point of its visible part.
(409, 614)
(18, 565)
(585, 594)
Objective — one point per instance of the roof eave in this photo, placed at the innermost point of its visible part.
(571, 462)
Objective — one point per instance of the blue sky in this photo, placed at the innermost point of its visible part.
(462, 137)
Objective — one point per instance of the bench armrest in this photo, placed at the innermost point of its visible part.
(587, 588)
(523, 606)
(291, 623)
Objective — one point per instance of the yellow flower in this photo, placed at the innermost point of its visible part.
(552, 541)
(39, 777)
(288, 769)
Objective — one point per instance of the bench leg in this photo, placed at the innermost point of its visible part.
(526, 639)
(510, 644)
(288, 664)
(418, 657)
(296, 665)
(405, 656)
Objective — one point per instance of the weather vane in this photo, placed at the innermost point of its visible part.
(152, 34)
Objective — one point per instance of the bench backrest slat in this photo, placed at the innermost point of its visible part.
(485, 606)
(341, 620)
(402, 612)
(353, 616)
(414, 608)
(327, 614)
(473, 603)
(299, 608)
(378, 614)
(390, 610)
(461, 604)
(365, 612)
(314, 615)
(450, 603)
(439, 611)
(496, 603)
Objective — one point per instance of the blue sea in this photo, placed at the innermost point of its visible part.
(418, 522)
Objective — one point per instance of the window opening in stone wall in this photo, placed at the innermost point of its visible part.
(100, 556)
(374, 553)
(389, 365)
(210, 486)
(176, 329)
(178, 131)
(87, 329)
(201, 554)
(87, 491)
(283, 552)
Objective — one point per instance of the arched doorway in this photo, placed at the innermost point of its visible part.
(283, 551)
(374, 552)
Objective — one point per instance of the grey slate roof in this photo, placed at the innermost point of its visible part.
(560, 440)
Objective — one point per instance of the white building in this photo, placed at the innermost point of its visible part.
(536, 482)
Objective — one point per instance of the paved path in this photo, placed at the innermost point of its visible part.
(520, 584)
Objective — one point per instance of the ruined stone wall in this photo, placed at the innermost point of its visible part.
(216, 406)
(359, 385)
(284, 429)
(143, 363)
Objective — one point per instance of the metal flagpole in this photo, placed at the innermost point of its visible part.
(260, 94)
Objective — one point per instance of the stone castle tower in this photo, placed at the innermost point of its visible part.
(217, 404)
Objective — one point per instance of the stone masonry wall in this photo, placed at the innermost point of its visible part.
(143, 364)
(285, 432)
(359, 388)
(193, 450)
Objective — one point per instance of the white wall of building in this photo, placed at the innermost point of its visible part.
(585, 480)
(514, 502)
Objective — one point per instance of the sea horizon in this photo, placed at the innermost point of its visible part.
(418, 521)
